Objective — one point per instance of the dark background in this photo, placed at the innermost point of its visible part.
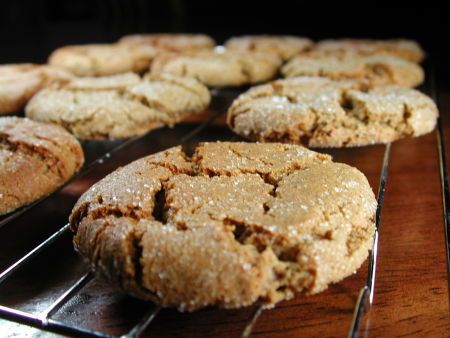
(30, 30)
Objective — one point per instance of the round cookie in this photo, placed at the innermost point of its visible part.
(374, 69)
(171, 42)
(319, 112)
(119, 106)
(220, 68)
(19, 82)
(103, 59)
(237, 223)
(285, 47)
(35, 159)
(406, 49)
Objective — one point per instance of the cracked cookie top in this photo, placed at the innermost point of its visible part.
(373, 69)
(237, 223)
(220, 68)
(103, 59)
(35, 158)
(119, 106)
(19, 82)
(171, 42)
(319, 112)
(284, 46)
(406, 49)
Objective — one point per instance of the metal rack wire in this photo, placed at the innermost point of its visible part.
(443, 172)
(45, 321)
(365, 297)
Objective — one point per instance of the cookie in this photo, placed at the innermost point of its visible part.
(220, 69)
(285, 47)
(319, 112)
(374, 69)
(102, 59)
(237, 223)
(35, 159)
(406, 49)
(119, 106)
(19, 82)
(171, 42)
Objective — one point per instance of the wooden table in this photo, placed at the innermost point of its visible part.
(411, 295)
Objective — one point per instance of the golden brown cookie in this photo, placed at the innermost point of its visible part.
(237, 223)
(171, 42)
(284, 46)
(373, 69)
(220, 68)
(35, 159)
(320, 112)
(19, 82)
(103, 59)
(406, 49)
(119, 106)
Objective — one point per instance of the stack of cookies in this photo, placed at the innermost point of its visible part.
(236, 223)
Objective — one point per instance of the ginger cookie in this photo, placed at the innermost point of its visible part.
(119, 106)
(35, 159)
(220, 69)
(406, 49)
(237, 223)
(103, 59)
(19, 82)
(285, 47)
(320, 112)
(373, 69)
(171, 42)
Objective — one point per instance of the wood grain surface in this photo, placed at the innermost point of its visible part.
(411, 295)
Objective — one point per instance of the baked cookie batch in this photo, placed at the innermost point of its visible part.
(236, 223)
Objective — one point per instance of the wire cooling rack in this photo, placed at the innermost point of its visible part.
(45, 319)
